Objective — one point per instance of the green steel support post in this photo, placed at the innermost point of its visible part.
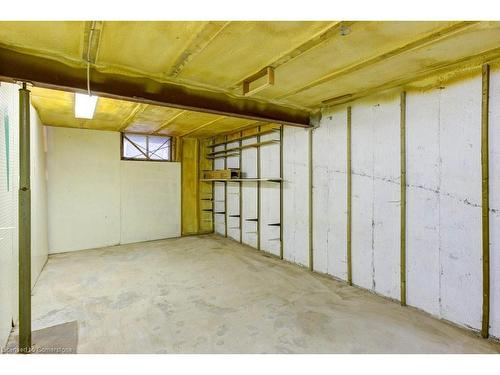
(258, 190)
(24, 222)
(349, 199)
(485, 199)
(241, 188)
(225, 190)
(311, 240)
(213, 191)
(281, 190)
(403, 198)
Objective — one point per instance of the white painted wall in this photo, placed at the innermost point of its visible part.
(376, 195)
(329, 195)
(219, 197)
(295, 195)
(444, 275)
(494, 144)
(83, 189)
(97, 200)
(233, 198)
(9, 186)
(270, 195)
(150, 204)
(422, 201)
(249, 191)
(443, 250)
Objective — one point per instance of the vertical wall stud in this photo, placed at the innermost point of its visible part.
(24, 222)
(240, 163)
(281, 190)
(199, 153)
(225, 189)
(258, 190)
(485, 199)
(213, 191)
(310, 162)
(403, 198)
(349, 198)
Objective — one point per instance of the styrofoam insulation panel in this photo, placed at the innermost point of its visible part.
(218, 198)
(233, 199)
(460, 199)
(249, 191)
(386, 197)
(270, 194)
(330, 192)
(422, 221)
(362, 195)
(295, 195)
(494, 152)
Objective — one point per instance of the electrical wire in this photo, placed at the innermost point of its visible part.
(91, 34)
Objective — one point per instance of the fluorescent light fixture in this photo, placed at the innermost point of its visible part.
(85, 105)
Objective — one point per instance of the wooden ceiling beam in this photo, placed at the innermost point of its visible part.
(48, 73)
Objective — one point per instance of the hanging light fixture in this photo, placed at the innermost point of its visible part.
(85, 103)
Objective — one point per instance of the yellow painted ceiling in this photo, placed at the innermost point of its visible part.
(316, 63)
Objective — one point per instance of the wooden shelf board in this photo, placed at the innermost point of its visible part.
(251, 145)
(240, 179)
(264, 132)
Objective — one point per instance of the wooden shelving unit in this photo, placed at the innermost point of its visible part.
(226, 153)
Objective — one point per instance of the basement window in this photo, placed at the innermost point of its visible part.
(146, 147)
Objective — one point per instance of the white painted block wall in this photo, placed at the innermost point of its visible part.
(233, 198)
(422, 201)
(219, 197)
(83, 189)
(494, 148)
(149, 201)
(295, 195)
(249, 191)
(329, 195)
(270, 195)
(443, 250)
(444, 274)
(97, 200)
(9, 186)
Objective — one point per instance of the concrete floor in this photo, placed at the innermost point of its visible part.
(208, 294)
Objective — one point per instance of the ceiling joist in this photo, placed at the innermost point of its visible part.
(140, 107)
(202, 126)
(295, 52)
(202, 40)
(469, 63)
(168, 122)
(419, 43)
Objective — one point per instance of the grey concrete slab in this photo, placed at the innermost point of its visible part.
(208, 294)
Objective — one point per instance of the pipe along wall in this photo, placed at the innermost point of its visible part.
(427, 253)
